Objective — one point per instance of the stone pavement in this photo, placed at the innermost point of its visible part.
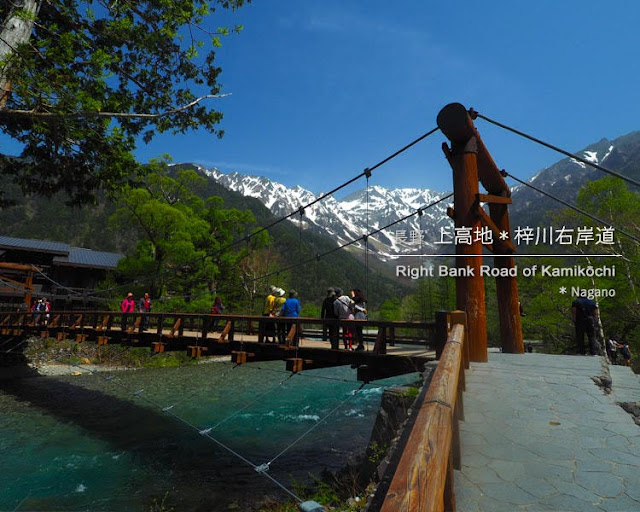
(626, 384)
(539, 435)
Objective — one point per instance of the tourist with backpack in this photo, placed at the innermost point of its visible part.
(343, 308)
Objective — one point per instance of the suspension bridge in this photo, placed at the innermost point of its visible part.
(534, 433)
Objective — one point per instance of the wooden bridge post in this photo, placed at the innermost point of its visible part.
(453, 120)
(506, 287)
(28, 285)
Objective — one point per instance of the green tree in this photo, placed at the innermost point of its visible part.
(548, 314)
(389, 310)
(185, 243)
(81, 81)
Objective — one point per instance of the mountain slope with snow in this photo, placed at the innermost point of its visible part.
(374, 208)
(358, 214)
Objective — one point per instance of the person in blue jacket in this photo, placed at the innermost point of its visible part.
(291, 309)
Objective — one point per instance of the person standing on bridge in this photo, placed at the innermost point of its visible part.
(343, 307)
(327, 313)
(584, 313)
(280, 327)
(360, 313)
(291, 309)
(128, 305)
(144, 306)
(268, 310)
(216, 310)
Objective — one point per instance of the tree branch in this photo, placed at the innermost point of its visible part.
(7, 112)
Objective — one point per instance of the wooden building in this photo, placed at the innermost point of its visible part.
(57, 271)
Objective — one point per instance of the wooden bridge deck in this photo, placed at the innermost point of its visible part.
(390, 348)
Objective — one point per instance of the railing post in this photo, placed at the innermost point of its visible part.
(160, 325)
(449, 497)
(181, 327)
(232, 330)
(460, 317)
(442, 331)
(380, 346)
(206, 323)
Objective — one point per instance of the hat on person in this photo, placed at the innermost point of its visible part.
(330, 289)
(272, 288)
(280, 292)
(338, 291)
(293, 293)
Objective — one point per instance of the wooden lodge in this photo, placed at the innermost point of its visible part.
(31, 269)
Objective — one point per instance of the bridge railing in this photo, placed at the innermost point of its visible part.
(209, 328)
(423, 479)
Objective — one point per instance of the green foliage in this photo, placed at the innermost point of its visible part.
(548, 313)
(239, 286)
(430, 295)
(378, 452)
(412, 392)
(389, 310)
(161, 504)
(310, 310)
(184, 250)
(94, 77)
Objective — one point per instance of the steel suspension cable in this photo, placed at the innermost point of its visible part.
(573, 207)
(366, 250)
(556, 148)
(366, 172)
(202, 432)
(255, 400)
(357, 239)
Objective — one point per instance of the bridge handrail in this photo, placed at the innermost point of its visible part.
(423, 480)
(90, 319)
(385, 323)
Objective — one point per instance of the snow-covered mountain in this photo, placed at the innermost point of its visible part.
(565, 178)
(368, 210)
(356, 215)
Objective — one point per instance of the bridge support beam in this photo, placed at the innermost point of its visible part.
(507, 288)
(471, 162)
(463, 158)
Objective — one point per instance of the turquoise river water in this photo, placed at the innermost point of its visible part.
(102, 442)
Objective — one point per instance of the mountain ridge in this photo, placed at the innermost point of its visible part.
(367, 210)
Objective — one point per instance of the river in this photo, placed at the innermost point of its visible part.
(124, 440)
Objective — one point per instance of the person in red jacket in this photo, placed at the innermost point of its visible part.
(128, 305)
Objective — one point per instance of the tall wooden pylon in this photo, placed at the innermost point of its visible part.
(472, 163)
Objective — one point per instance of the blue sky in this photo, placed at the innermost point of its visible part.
(322, 89)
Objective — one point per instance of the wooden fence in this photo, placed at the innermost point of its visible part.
(423, 480)
(211, 328)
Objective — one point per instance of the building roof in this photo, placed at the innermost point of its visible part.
(27, 244)
(65, 254)
(88, 258)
